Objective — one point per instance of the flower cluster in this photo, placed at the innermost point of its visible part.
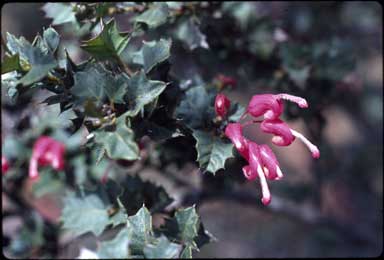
(46, 151)
(262, 162)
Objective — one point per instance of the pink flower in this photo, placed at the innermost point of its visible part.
(46, 151)
(270, 106)
(262, 162)
(222, 105)
(4, 165)
(234, 132)
(283, 135)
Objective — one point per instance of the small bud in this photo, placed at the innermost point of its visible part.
(226, 81)
(4, 165)
(222, 105)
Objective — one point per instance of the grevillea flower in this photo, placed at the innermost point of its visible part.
(262, 162)
(282, 133)
(234, 131)
(271, 106)
(46, 151)
(222, 105)
(4, 165)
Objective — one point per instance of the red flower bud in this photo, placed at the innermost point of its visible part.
(46, 151)
(222, 105)
(4, 165)
(226, 81)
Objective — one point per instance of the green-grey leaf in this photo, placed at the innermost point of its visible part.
(40, 66)
(59, 12)
(40, 63)
(188, 224)
(95, 82)
(186, 253)
(152, 53)
(141, 92)
(235, 112)
(84, 214)
(212, 151)
(121, 216)
(162, 248)
(190, 33)
(116, 247)
(108, 44)
(118, 144)
(196, 109)
(10, 63)
(141, 227)
(155, 16)
(51, 38)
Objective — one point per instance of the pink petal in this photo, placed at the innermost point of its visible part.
(249, 173)
(234, 132)
(266, 105)
(270, 162)
(283, 135)
(298, 100)
(313, 148)
(256, 166)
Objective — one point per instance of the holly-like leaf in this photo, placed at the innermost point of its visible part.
(121, 216)
(84, 214)
(162, 248)
(51, 38)
(186, 253)
(196, 109)
(156, 132)
(59, 12)
(32, 58)
(212, 151)
(189, 33)
(183, 227)
(95, 82)
(116, 247)
(10, 63)
(18, 46)
(154, 197)
(120, 143)
(141, 91)
(140, 225)
(108, 44)
(188, 224)
(152, 53)
(155, 16)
